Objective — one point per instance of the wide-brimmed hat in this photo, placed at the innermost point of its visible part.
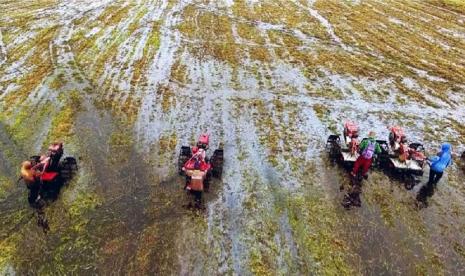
(27, 165)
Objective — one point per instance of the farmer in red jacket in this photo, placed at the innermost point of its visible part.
(368, 148)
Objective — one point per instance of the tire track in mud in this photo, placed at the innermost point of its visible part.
(324, 22)
(159, 72)
(229, 219)
(8, 151)
(121, 183)
(226, 212)
(370, 240)
(229, 235)
(115, 172)
(3, 53)
(398, 238)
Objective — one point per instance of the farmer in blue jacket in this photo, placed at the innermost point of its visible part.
(439, 163)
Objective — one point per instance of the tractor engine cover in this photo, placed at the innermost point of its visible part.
(204, 140)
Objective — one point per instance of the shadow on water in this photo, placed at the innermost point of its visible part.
(15, 212)
(370, 238)
(44, 194)
(141, 199)
(425, 192)
(9, 153)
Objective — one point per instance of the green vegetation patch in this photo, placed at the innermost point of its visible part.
(5, 185)
(76, 250)
(120, 145)
(315, 225)
(63, 122)
(58, 82)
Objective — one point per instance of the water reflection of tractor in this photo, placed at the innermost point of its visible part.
(198, 168)
(44, 175)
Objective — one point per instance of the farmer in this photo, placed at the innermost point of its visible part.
(439, 163)
(196, 182)
(31, 178)
(28, 174)
(368, 148)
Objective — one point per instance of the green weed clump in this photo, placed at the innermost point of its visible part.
(62, 127)
(168, 142)
(5, 185)
(315, 225)
(12, 237)
(8, 250)
(178, 72)
(120, 145)
(18, 129)
(83, 203)
(58, 82)
(76, 247)
(257, 265)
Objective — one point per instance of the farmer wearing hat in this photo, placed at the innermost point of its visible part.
(368, 148)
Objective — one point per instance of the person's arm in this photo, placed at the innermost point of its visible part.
(36, 167)
(434, 160)
(363, 145)
(378, 149)
(47, 162)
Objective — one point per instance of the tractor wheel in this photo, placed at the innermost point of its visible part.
(209, 175)
(217, 163)
(340, 160)
(68, 168)
(409, 182)
(206, 183)
(184, 155)
(333, 146)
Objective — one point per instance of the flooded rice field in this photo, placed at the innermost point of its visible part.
(124, 84)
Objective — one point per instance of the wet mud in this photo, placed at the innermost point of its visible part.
(125, 84)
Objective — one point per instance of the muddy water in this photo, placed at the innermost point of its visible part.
(269, 80)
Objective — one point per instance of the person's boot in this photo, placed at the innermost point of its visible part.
(346, 202)
(356, 200)
(421, 202)
(198, 204)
